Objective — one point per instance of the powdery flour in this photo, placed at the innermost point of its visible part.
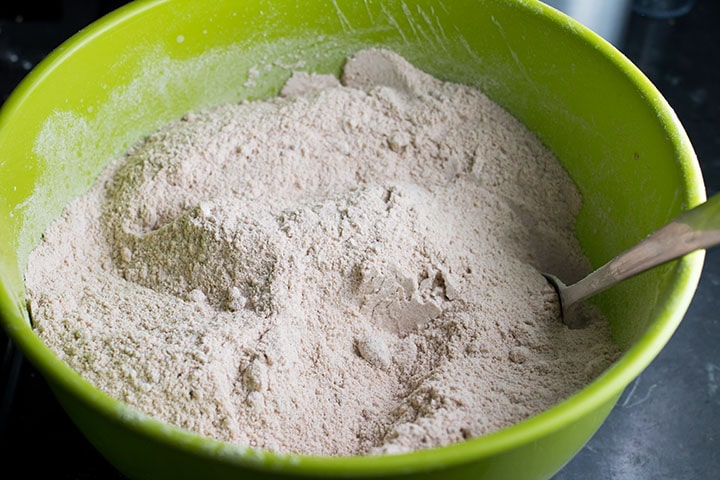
(350, 268)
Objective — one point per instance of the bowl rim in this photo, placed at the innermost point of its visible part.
(606, 388)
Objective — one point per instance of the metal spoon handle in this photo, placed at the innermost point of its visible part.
(698, 228)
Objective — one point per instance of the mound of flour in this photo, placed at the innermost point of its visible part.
(349, 268)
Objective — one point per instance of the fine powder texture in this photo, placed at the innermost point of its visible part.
(349, 268)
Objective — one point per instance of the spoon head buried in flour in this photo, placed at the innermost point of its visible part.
(574, 315)
(695, 229)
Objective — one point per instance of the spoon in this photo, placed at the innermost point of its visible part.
(695, 229)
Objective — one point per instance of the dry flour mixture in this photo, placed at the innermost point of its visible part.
(349, 268)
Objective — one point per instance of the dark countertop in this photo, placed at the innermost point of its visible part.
(666, 424)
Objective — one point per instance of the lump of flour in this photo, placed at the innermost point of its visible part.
(348, 268)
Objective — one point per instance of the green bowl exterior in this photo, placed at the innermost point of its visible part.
(186, 458)
(152, 61)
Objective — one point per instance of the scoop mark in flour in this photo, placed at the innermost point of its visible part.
(374, 349)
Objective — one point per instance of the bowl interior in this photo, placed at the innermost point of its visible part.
(152, 61)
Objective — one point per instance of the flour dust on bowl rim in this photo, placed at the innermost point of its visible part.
(150, 62)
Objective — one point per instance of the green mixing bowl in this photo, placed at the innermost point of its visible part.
(151, 61)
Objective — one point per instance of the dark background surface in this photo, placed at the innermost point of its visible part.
(666, 424)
